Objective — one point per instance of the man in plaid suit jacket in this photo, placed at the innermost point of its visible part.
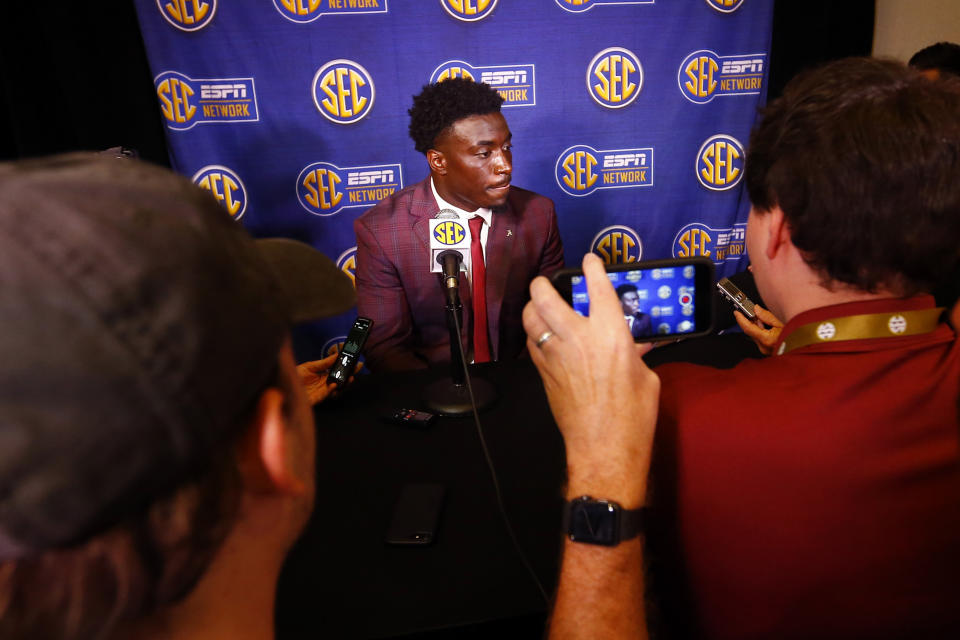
(457, 124)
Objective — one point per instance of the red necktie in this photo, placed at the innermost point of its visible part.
(481, 343)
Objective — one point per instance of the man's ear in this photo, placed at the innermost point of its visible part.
(778, 232)
(265, 451)
(437, 162)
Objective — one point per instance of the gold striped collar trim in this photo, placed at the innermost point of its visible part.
(861, 327)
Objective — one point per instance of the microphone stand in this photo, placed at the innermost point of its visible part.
(457, 395)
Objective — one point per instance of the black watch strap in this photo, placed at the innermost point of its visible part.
(603, 522)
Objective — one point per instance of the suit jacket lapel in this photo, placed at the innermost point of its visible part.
(499, 255)
(423, 207)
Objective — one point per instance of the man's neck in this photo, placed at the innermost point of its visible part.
(234, 599)
(817, 296)
(795, 287)
(445, 197)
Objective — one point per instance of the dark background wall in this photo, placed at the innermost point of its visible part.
(77, 78)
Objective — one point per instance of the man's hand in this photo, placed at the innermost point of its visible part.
(603, 397)
(764, 331)
(313, 375)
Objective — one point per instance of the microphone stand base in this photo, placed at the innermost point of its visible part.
(445, 398)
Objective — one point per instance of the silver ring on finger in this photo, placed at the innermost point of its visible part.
(546, 335)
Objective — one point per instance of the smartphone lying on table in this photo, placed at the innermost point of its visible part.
(661, 299)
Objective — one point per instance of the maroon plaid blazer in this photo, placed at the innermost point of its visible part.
(406, 302)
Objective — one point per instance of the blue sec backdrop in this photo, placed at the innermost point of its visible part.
(631, 115)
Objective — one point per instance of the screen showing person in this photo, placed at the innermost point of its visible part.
(658, 298)
(637, 321)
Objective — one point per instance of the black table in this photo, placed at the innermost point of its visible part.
(343, 581)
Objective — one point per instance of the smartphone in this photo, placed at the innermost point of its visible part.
(346, 362)
(661, 299)
(416, 515)
(739, 299)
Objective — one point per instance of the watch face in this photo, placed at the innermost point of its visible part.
(596, 522)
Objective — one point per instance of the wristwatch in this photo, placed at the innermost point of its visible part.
(604, 522)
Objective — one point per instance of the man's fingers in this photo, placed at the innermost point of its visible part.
(554, 312)
(603, 299)
(316, 366)
(746, 325)
(749, 327)
(533, 324)
(643, 348)
(767, 317)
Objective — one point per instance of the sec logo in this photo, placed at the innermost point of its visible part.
(579, 6)
(577, 171)
(305, 11)
(317, 188)
(614, 78)
(725, 6)
(343, 91)
(177, 103)
(617, 245)
(188, 15)
(697, 76)
(575, 6)
(299, 10)
(719, 163)
(347, 262)
(696, 239)
(452, 69)
(225, 186)
(469, 10)
(450, 232)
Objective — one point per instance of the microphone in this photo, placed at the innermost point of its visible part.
(450, 254)
(448, 232)
(450, 262)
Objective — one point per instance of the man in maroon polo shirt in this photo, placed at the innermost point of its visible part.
(816, 492)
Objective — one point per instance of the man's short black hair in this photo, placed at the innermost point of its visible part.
(626, 287)
(944, 56)
(862, 155)
(440, 105)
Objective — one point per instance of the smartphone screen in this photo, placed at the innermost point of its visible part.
(357, 336)
(659, 298)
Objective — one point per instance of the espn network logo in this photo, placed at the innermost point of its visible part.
(324, 189)
(581, 169)
(514, 83)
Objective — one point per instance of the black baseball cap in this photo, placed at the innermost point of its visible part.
(139, 323)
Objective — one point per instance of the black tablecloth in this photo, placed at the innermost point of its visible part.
(342, 580)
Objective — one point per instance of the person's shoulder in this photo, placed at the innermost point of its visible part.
(523, 200)
(392, 208)
(679, 379)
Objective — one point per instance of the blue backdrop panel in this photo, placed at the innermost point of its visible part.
(632, 115)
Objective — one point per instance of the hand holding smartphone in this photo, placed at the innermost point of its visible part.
(661, 299)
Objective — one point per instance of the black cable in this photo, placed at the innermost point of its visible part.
(493, 473)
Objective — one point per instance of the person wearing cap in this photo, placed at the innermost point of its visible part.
(156, 444)
(814, 493)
